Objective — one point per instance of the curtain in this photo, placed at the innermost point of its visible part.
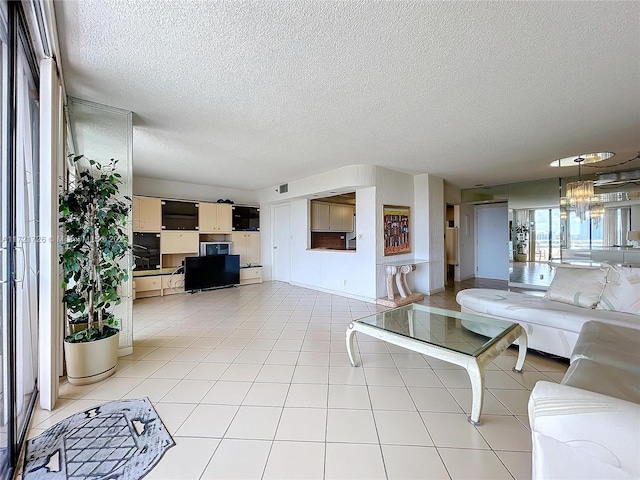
(616, 223)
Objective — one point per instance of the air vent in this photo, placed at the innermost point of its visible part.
(284, 188)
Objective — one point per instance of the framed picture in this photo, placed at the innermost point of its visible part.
(395, 221)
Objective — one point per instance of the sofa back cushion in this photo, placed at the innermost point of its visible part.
(581, 287)
(622, 291)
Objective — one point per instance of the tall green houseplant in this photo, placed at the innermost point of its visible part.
(94, 219)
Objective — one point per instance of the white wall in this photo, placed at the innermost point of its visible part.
(394, 188)
(155, 187)
(452, 194)
(437, 212)
(421, 228)
(360, 270)
(358, 274)
(467, 242)
(350, 273)
(323, 269)
(340, 180)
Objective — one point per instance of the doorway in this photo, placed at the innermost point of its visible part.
(492, 241)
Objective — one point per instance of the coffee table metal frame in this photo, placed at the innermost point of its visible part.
(473, 364)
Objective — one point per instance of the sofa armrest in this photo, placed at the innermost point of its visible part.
(581, 434)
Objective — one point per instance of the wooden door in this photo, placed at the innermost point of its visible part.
(147, 214)
(224, 218)
(207, 217)
(253, 248)
(239, 246)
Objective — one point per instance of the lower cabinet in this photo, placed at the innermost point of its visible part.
(250, 275)
(157, 285)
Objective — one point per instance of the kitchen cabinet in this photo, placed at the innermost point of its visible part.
(247, 245)
(343, 220)
(214, 217)
(331, 217)
(320, 216)
(147, 214)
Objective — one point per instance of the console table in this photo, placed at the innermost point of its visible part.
(398, 270)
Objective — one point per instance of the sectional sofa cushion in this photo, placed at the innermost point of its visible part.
(609, 345)
(522, 307)
(622, 291)
(581, 287)
(605, 379)
(552, 327)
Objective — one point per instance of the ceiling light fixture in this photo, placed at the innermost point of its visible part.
(596, 212)
(585, 158)
(579, 193)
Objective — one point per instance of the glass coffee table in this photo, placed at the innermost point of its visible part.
(446, 335)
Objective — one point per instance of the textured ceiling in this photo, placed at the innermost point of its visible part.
(253, 94)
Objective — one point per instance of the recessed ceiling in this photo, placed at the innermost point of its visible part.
(254, 94)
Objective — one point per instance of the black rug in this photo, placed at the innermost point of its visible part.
(120, 440)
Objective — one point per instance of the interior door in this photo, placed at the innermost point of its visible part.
(282, 243)
(492, 241)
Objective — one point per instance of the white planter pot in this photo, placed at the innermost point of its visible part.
(91, 362)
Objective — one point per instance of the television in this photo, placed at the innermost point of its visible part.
(179, 215)
(213, 271)
(245, 219)
(215, 248)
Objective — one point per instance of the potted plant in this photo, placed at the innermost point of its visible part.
(522, 235)
(94, 220)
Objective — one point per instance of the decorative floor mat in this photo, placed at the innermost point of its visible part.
(120, 440)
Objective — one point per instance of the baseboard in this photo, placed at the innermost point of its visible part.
(468, 277)
(125, 351)
(334, 292)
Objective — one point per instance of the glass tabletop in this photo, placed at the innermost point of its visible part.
(457, 331)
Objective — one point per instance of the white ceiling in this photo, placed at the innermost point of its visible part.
(253, 94)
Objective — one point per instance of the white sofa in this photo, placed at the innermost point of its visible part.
(576, 295)
(588, 427)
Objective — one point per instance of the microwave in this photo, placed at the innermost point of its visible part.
(215, 248)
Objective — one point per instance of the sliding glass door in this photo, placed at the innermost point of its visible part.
(546, 241)
(4, 234)
(27, 189)
(19, 187)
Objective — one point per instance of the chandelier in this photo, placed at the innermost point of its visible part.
(596, 212)
(579, 193)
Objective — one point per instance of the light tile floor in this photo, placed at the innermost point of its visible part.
(255, 383)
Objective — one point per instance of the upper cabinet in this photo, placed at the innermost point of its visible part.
(331, 217)
(147, 214)
(215, 218)
(320, 217)
(179, 215)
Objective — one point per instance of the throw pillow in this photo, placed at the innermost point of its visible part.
(581, 287)
(622, 292)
